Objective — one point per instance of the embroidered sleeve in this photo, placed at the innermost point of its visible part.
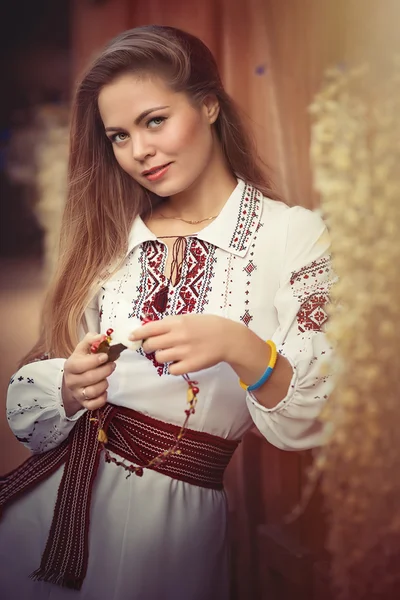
(301, 305)
(35, 410)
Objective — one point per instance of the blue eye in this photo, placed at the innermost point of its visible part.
(156, 121)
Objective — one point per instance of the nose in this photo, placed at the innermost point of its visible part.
(142, 148)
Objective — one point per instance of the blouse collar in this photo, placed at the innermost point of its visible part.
(233, 229)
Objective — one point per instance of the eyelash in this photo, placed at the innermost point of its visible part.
(113, 138)
(162, 119)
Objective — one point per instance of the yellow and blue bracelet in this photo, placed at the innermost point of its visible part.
(268, 372)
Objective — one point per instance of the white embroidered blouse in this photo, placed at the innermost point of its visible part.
(260, 263)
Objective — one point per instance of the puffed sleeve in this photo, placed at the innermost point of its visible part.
(35, 410)
(300, 303)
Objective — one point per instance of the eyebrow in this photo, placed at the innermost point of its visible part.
(138, 119)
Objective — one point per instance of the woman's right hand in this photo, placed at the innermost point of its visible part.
(85, 377)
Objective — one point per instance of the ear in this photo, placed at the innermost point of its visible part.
(211, 108)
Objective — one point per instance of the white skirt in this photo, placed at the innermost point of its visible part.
(151, 538)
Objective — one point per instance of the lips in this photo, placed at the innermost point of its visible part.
(155, 170)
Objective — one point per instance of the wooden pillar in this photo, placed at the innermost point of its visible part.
(93, 24)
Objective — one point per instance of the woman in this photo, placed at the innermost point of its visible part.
(168, 220)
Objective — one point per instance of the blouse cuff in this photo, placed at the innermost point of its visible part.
(60, 402)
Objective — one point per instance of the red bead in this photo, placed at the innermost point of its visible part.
(195, 390)
(146, 320)
(188, 412)
(139, 471)
(109, 331)
(94, 347)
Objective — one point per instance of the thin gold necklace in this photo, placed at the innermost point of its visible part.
(161, 216)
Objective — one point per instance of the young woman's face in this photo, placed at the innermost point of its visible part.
(159, 138)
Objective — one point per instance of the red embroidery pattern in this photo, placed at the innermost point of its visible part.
(187, 296)
(153, 279)
(192, 295)
(311, 286)
(312, 315)
(246, 318)
(248, 218)
(249, 269)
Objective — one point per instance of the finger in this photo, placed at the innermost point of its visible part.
(178, 368)
(151, 329)
(81, 363)
(90, 377)
(185, 366)
(91, 392)
(83, 348)
(96, 403)
(159, 342)
(170, 355)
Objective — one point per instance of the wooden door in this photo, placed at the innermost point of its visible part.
(287, 558)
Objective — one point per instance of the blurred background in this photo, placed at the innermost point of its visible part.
(272, 55)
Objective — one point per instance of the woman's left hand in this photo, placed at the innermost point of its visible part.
(189, 342)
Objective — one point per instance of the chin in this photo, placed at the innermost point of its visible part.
(166, 188)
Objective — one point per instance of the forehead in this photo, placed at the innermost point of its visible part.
(129, 95)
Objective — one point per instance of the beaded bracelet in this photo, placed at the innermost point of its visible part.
(267, 374)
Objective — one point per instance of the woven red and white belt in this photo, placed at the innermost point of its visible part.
(131, 435)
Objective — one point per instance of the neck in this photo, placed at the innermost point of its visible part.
(196, 203)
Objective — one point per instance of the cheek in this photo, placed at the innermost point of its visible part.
(122, 159)
(190, 136)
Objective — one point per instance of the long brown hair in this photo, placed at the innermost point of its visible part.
(102, 200)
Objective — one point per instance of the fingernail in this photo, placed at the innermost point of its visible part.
(103, 357)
